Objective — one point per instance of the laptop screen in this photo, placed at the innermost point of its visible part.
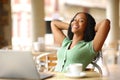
(17, 64)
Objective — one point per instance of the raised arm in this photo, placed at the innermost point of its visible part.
(57, 26)
(102, 30)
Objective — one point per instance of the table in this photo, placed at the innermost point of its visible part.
(114, 74)
(90, 75)
(60, 76)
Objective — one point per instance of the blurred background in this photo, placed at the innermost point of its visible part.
(23, 22)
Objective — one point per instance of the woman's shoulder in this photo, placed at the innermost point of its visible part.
(86, 45)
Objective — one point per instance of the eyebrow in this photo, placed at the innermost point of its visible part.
(80, 18)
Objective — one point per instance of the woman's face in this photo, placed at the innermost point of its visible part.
(78, 25)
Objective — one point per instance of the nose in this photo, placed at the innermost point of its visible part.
(75, 21)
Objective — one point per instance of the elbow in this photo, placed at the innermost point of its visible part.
(107, 23)
(107, 20)
(53, 24)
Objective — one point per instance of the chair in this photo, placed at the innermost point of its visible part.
(95, 66)
(46, 61)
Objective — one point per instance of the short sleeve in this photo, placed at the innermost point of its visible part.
(65, 42)
(91, 47)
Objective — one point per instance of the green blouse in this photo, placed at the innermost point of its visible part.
(83, 53)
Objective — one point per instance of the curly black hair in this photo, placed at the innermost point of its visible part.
(89, 32)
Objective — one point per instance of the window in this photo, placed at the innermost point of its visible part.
(21, 24)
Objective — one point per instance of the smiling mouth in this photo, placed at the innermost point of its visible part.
(76, 27)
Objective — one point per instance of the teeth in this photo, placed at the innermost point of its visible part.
(75, 27)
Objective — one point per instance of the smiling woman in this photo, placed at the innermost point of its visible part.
(79, 23)
(83, 42)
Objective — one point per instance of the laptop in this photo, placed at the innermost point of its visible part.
(19, 65)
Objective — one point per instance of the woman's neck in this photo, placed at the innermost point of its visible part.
(75, 40)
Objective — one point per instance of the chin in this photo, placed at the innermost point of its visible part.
(74, 31)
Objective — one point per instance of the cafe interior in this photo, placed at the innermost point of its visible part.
(25, 26)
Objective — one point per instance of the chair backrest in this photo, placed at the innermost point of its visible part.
(94, 63)
(97, 67)
(48, 61)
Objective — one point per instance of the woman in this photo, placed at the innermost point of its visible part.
(83, 42)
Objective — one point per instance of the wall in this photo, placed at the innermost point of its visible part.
(67, 11)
